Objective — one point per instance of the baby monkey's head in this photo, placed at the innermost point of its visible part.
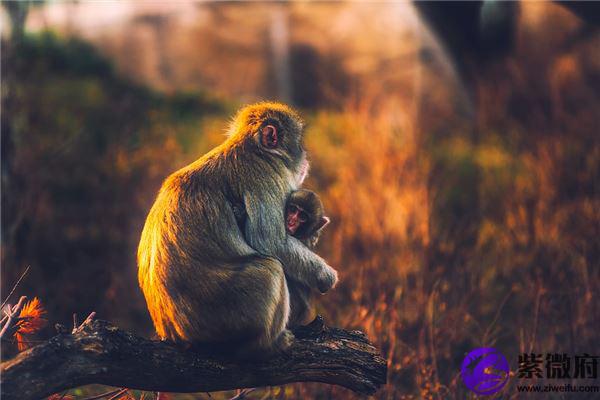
(304, 214)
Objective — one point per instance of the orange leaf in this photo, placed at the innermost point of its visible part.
(29, 321)
(30, 317)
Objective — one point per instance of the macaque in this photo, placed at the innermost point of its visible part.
(305, 219)
(206, 278)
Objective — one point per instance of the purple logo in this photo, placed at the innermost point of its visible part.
(485, 371)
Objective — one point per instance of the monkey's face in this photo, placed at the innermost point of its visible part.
(276, 132)
(295, 218)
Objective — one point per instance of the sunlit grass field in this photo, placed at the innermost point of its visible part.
(446, 237)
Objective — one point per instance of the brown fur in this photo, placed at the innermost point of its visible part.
(206, 281)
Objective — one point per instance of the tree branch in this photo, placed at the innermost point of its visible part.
(104, 354)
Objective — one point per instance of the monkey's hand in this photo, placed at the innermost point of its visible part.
(307, 267)
(327, 279)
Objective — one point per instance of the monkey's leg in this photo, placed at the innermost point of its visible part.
(275, 332)
(301, 309)
(264, 308)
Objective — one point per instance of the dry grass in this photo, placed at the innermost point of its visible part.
(444, 240)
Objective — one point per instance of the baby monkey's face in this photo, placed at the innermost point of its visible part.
(304, 215)
(295, 218)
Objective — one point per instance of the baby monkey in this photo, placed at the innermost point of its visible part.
(304, 219)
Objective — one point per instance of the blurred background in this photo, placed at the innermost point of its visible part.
(455, 147)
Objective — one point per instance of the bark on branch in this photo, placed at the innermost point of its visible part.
(104, 354)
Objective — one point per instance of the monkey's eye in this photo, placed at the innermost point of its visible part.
(292, 208)
(269, 137)
(303, 217)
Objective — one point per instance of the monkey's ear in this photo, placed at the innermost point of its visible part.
(269, 137)
(322, 224)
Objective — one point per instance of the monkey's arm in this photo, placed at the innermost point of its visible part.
(265, 232)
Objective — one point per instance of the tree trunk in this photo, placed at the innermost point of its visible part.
(100, 353)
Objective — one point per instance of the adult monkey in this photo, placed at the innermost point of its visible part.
(203, 279)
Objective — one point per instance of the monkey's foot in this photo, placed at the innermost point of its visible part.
(313, 329)
(284, 341)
